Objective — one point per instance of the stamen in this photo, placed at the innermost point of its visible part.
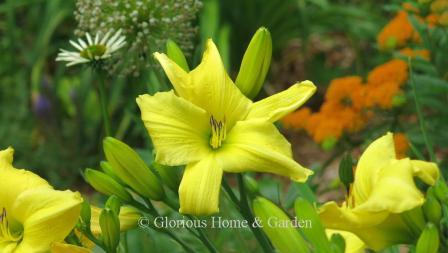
(218, 132)
(5, 232)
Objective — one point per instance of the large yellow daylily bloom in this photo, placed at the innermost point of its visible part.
(383, 207)
(210, 126)
(352, 242)
(33, 214)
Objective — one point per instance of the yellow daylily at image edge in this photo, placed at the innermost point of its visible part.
(34, 215)
(384, 204)
(207, 124)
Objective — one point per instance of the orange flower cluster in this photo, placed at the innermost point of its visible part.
(397, 33)
(348, 102)
(439, 15)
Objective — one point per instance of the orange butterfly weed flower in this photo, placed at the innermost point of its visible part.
(321, 127)
(423, 53)
(401, 143)
(345, 92)
(397, 32)
(395, 70)
(297, 119)
(381, 95)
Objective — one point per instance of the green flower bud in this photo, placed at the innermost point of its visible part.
(107, 168)
(346, 170)
(399, 100)
(251, 184)
(316, 234)
(441, 191)
(337, 243)
(170, 175)
(255, 64)
(129, 217)
(432, 209)
(175, 53)
(127, 165)
(428, 242)
(114, 204)
(85, 213)
(286, 238)
(105, 184)
(329, 143)
(110, 228)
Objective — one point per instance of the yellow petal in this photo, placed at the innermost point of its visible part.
(278, 105)
(199, 188)
(59, 247)
(179, 130)
(352, 242)
(258, 146)
(47, 216)
(394, 190)
(378, 153)
(377, 230)
(426, 171)
(15, 181)
(214, 90)
(7, 247)
(178, 77)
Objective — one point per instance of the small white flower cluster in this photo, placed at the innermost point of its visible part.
(147, 24)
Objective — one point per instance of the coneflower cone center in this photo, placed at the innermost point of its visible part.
(93, 52)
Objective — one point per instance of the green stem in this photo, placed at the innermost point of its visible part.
(178, 240)
(421, 120)
(103, 102)
(247, 214)
(203, 237)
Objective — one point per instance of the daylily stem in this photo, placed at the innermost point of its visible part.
(103, 102)
(247, 214)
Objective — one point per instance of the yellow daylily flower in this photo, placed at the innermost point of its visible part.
(32, 211)
(210, 126)
(383, 206)
(352, 242)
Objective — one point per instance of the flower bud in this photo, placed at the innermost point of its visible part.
(337, 243)
(316, 234)
(175, 53)
(110, 228)
(432, 209)
(346, 170)
(127, 165)
(285, 238)
(441, 191)
(114, 204)
(428, 242)
(105, 184)
(85, 213)
(255, 64)
(251, 184)
(170, 175)
(129, 217)
(107, 168)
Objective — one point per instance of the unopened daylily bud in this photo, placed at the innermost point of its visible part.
(85, 213)
(251, 185)
(315, 234)
(105, 184)
(114, 204)
(346, 170)
(441, 191)
(170, 175)
(337, 243)
(175, 53)
(107, 168)
(129, 217)
(428, 242)
(432, 209)
(255, 64)
(110, 228)
(285, 238)
(128, 165)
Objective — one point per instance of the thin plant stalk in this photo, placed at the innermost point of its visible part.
(103, 102)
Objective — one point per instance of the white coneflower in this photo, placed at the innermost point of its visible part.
(92, 50)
